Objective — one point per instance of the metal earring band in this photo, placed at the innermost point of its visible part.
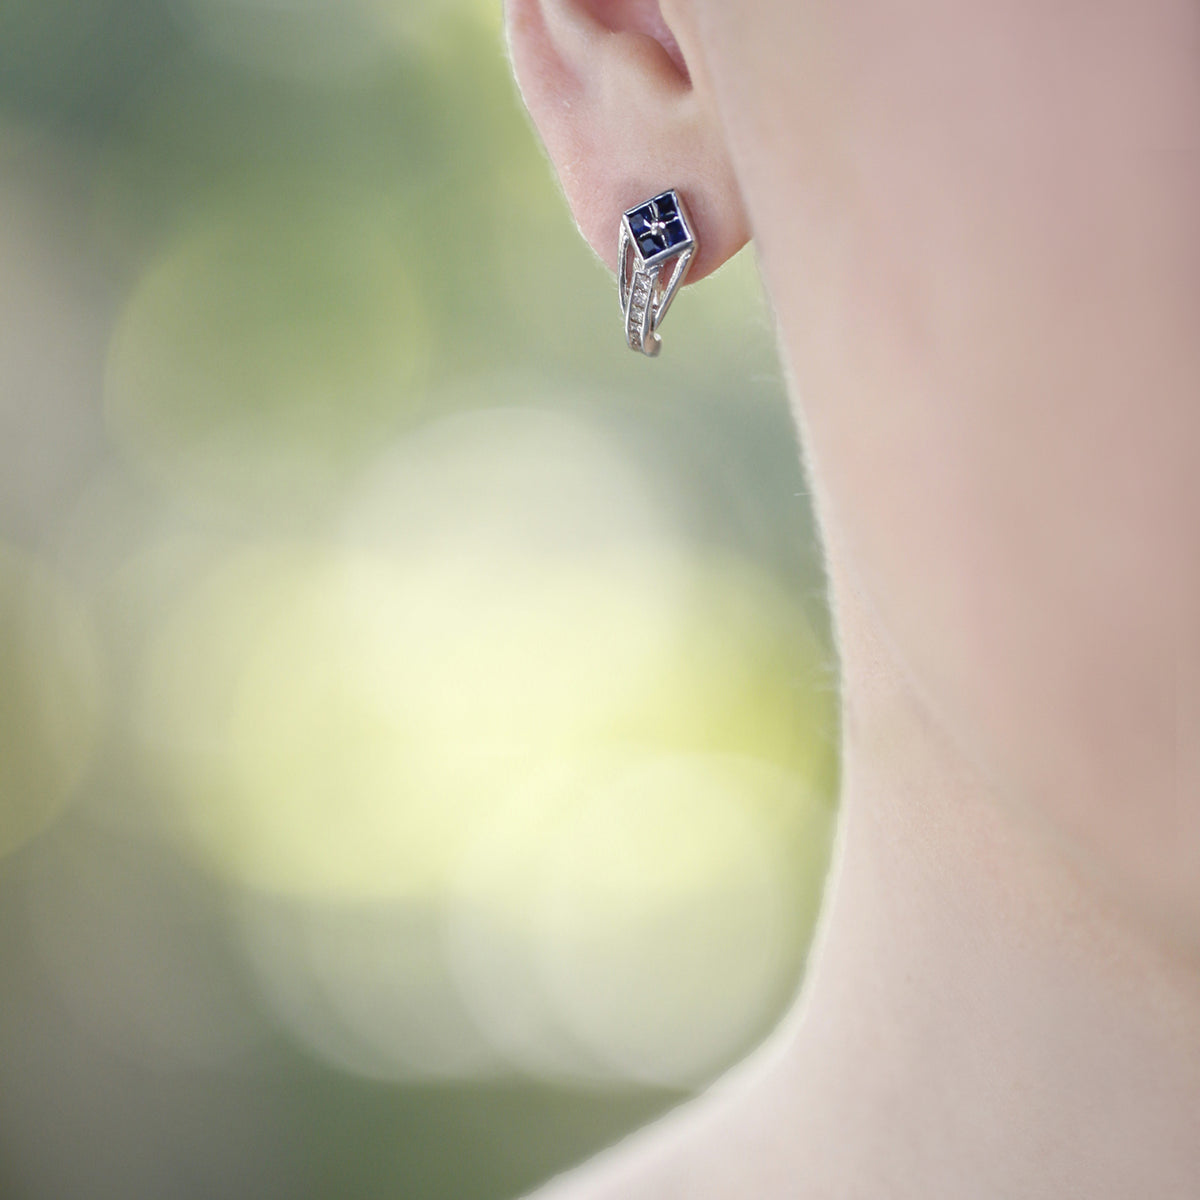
(658, 244)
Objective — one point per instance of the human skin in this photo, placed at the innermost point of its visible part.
(979, 226)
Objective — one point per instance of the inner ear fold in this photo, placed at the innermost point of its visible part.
(638, 16)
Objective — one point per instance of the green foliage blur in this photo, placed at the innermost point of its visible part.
(417, 713)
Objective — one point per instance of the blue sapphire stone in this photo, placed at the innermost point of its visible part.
(657, 226)
(666, 205)
(675, 233)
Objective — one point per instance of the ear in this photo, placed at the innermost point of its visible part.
(621, 101)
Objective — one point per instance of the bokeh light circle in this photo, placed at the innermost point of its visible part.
(633, 918)
(270, 347)
(664, 936)
(364, 987)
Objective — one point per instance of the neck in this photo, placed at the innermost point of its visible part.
(981, 1018)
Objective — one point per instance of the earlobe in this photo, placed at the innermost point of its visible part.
(625, 114)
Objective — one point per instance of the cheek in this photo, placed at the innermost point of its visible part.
(995, 340)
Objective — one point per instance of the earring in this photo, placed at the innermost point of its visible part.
(657, 248)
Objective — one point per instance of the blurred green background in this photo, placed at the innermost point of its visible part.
(417, 719)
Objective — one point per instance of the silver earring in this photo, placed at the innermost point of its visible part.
(657, 247)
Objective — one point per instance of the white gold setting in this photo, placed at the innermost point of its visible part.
(656, 249)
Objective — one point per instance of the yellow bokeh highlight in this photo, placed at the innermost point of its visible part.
(333, 721)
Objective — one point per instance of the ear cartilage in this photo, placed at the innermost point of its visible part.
(656, 250)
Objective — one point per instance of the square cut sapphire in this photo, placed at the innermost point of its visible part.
(657, 226)
(667, 205)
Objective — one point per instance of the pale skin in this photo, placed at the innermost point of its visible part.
(979, 227)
